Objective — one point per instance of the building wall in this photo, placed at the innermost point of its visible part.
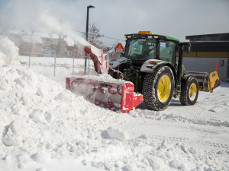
(208, 65)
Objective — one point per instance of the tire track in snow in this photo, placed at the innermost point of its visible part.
(173, 117)
(189, 141)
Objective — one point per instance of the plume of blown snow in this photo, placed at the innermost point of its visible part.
(8, 52)
(53, 24)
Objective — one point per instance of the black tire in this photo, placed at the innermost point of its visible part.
(189, 91)
(151, 87)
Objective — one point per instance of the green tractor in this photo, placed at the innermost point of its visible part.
(149, 62)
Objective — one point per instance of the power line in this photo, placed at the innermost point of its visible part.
(104, 36)
(113, 38)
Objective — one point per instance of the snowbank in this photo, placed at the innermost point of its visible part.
(38, 117)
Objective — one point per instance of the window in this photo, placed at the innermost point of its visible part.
(140, 49)
(167, 51)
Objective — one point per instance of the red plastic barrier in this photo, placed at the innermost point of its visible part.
(68, 83)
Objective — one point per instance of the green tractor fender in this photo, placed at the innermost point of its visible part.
(152, 65)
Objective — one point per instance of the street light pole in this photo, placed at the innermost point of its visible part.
(87, 23)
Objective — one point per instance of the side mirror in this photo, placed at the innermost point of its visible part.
(187, 48)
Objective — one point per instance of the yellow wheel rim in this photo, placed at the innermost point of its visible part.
(192, 92)
(164, 88)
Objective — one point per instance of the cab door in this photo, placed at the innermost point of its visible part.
(167, 52)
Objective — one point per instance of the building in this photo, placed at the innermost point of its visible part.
(209, 52)
(51, 45)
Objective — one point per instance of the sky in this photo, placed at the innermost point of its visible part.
(115, 18)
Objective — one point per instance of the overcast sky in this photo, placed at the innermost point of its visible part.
(175, 18)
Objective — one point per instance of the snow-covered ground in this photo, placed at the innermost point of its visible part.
(45, 127)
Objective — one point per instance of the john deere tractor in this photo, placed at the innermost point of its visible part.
(149, 61)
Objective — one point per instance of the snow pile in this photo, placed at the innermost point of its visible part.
(8, 52)
(37, 114)
(42, 121)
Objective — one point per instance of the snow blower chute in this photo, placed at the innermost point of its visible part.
(111, 93)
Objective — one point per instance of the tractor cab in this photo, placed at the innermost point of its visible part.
(145, 45)
(142, 51)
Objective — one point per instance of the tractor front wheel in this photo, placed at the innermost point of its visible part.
(158, 88)
(189, 91)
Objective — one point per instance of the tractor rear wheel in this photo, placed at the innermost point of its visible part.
(189, 91)
(158, 88)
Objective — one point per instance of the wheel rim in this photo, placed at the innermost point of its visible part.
(192, 92)
(164, 88)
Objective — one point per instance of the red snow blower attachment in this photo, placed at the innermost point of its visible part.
(113, 94)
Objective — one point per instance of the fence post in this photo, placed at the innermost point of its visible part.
(54, 65)
(73, 65)
(29, 60)
(85, 64)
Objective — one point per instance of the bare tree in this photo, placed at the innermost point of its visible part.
(94, 35)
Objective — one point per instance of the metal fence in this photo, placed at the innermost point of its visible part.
(71, 63)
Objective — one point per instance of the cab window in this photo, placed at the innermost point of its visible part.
(140, 49)
(167, 51)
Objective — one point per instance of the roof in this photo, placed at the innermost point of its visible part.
(210, 46)
(218, 42)
(136, 35)
(35, 38)
(209, 37)
(40, 37)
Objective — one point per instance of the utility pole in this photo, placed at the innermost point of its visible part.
(87, 23)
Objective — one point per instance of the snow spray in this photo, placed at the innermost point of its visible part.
(54, 25)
